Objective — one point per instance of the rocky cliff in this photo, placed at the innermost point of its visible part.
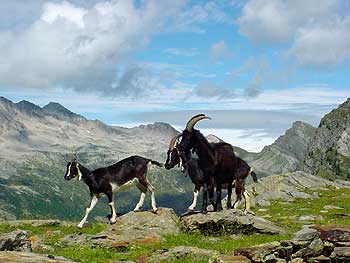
(329, 151)
(287, 153)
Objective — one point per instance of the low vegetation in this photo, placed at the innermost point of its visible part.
(290, 215)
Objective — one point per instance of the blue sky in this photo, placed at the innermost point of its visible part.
(256, 65)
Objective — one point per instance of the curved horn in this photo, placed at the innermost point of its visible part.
(173, 141)
(194, 120)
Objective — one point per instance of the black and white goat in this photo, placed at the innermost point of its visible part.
(192, 169)
(117, 177)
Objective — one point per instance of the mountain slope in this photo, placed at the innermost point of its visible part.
(329, 151)
(287, 153)
(36, 144)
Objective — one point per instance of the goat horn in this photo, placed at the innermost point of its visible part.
(194, 120)
(173, 141)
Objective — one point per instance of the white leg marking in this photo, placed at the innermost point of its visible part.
(247, 203)
(140, 203)
(194, 203)
(114, 214)
(236, 204)
(153, 198)
(88, 210)
(68, 174)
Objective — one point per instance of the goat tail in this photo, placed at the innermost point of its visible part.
(253, 174)
(156, 163)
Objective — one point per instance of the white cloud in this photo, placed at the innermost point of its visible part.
(317, 30)
(79, 47)
(220, 51)
(327, 44)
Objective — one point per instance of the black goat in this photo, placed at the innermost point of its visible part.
(193, 170)
(217, 162)
(117, 177)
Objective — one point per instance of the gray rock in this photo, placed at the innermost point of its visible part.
(180, 253)
(25, 257)
(137, 228)
(15, 241)
(259, 253)
(341, 252)
(228, 222)
(314, 249)
(330, 207)
(319, 259)
(310, 217)
(305, 234)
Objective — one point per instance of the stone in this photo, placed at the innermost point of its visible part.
(136, 228)
(25, 257)
(297, 260)
(260, 252)
(305, 234)
(334, 233)
(310, 217)
(314, 249)
(228, 222)
(180, 253)
(319, 259)
(330, 207)
(38, 244)
(263, 202)
(15, 241)
(341, 252)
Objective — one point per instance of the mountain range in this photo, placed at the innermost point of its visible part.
(37, 142)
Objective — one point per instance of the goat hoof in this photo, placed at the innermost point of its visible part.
(112, 221)
(137, 210)
(80, 226)
(154, 211)
(190, 210)
(204, 211)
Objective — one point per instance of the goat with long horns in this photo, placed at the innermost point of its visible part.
(217, 162)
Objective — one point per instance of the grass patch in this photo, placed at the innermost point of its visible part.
(284, 214)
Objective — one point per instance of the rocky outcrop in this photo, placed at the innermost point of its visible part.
(329, 152)
(228, 222)
(320, 244)
(289, 186)
(132, 228)
(23, 257)
(287, 153)
(15, 241)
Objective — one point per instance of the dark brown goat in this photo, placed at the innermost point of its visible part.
(217, 162)
(193, 170)
(117, 177)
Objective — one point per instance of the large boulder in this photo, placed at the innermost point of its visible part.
(15, 241)
(132, 228)
(24, 257)
(228, 222)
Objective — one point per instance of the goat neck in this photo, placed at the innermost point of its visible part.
(203, 148)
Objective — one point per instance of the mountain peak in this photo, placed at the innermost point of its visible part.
(4, 100)
(27, 106)
(57, 109)
(345, 104)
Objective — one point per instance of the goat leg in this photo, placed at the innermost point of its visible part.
(229, 196)
(192, 207)
(205, 199)
(218, 197)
